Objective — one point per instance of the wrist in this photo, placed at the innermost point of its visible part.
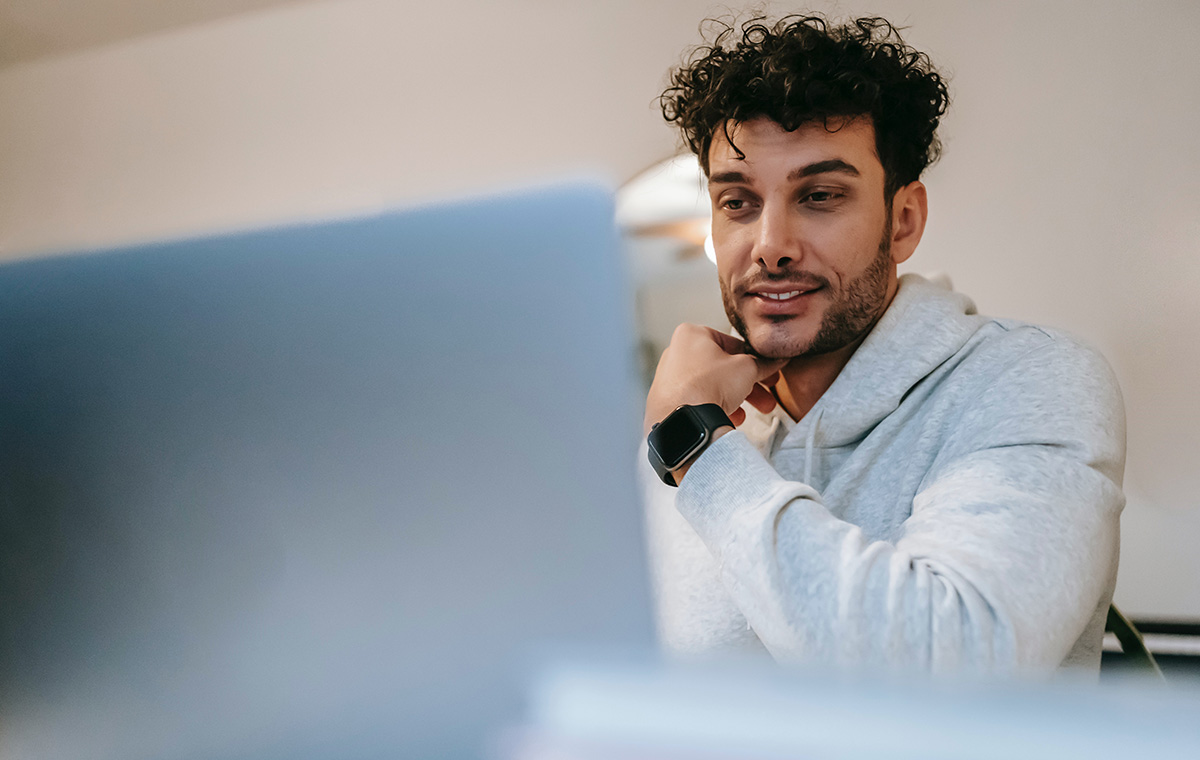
(681, 471)
(682, 436)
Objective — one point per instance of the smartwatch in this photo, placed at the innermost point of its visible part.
(681, 437)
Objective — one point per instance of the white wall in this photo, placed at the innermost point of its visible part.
(1069, 193)
(325, 107)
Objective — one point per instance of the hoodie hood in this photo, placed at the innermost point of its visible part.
(924, 326)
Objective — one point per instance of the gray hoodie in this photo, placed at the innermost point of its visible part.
(951, 503)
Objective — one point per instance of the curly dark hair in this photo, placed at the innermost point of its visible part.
(803, 69)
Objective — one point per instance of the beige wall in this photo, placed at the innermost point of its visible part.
(1069, 192)
(324, 107)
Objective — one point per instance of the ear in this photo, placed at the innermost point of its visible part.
(910, 209)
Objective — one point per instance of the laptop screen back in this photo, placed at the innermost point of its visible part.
(314, 491)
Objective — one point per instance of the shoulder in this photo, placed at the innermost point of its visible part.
(1024, 384)
(927, 313)
(1031, 358)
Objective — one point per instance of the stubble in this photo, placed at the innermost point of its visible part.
(854, 309)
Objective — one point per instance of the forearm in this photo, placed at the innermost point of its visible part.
(814, 587)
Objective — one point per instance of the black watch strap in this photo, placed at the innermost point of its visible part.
(713, 416)
(682, 436)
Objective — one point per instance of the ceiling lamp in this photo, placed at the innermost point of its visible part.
(669, 200)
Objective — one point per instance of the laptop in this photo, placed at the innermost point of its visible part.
(317, 491)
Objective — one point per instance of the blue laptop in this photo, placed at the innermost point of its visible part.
(321, 491)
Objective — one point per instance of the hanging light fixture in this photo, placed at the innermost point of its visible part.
(669, 200)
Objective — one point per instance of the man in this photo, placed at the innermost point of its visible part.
(910, 484)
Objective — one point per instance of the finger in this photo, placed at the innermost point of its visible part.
(768, 370)
(761, 399)
(728, 343)
(738, 416)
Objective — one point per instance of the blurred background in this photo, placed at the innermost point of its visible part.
(1067, 195)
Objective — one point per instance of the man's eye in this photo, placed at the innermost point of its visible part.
(821, 196)
(734, 204)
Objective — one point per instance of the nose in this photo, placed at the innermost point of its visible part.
(776, 246)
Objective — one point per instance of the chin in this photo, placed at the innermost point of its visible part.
(770, 343)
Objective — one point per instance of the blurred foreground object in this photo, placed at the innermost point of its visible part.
(315, 491)
(653, 713)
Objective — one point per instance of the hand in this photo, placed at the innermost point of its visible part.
(703, 366)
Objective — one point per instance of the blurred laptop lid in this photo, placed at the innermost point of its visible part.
(756, 711)
(315, 491)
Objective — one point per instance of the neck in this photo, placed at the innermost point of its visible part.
(806, 378)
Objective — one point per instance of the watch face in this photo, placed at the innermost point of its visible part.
(677, 437)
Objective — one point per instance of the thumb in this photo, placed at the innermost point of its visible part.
(768, 370)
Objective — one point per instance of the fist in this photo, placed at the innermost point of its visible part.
(703, 366)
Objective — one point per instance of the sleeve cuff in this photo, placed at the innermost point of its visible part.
(730, 474)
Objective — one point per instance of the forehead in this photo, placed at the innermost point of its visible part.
(767, 145)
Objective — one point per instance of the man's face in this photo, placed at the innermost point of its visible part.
(802, 234)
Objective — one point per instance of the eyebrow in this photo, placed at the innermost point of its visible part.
(819, 167)
(824, 167)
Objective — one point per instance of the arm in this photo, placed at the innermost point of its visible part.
(1008, 550)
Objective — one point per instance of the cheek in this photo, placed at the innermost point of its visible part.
(730, 253)
(725, 270)
(843, 253)
(726, 256)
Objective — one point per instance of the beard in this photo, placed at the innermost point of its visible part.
(854, 310)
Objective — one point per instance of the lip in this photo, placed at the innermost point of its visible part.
(782, 299)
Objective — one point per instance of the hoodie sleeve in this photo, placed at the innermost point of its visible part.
(1009, 549)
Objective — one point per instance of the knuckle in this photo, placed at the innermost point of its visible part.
(684, 329)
